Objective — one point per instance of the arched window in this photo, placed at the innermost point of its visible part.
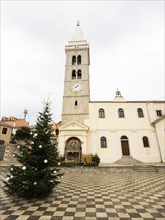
(140, 113)
(76, 103)
(73, 60)
(73, 74)
(79, 59)
(101, 113)
(103, 142)
(79, 74)
(121, 113)
(145, 142)
(124, 138)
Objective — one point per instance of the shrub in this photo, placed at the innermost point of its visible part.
(95, 159)
(23, 133)
(90, 159)
(86, 159)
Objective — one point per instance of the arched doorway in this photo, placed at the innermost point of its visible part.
(73, 150)
(125, 146)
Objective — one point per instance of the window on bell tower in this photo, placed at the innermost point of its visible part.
(76, 103)
(79, 59)
(73, 60)
(73, 74)
(79, 74)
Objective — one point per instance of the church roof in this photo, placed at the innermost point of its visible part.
(78, 36)
(73, 125)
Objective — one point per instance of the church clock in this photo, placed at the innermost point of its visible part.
(76, 83)
(76, 87)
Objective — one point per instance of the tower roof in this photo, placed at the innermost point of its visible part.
(78, 36)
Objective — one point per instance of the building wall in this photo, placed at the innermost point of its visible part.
(160, 132)
(5, 137)
(152, 107)
(113, 128)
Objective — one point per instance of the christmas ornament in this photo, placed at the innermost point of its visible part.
(13, 155)
(55, 171)
(11, 169)
(59, 163)
(11, 176)
(24, 167)
(32, 142)
(40, 146)
(18, 147)
(45, 161)
(7, 178)
(35, 135)
(35, 183)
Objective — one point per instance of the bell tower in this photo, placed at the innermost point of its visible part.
(76, 82)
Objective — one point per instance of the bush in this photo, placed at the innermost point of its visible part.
(90, 159)
(23, 133)
(95, 159)
(86, 159)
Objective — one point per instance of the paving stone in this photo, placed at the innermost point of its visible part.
(90, 194)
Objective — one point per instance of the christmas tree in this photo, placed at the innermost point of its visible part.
(38, 174)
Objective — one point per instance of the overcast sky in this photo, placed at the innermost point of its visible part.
(126, 41)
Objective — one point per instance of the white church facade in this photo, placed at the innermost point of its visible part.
(112, 129)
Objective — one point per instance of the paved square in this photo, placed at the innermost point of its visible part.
(95, 194)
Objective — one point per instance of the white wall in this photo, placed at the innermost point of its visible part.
(112, 127)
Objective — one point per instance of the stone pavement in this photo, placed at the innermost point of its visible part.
(95, 194)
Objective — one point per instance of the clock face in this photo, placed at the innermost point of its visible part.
(76, 87)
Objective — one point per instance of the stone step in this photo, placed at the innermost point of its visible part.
(2, 151)
(145, 168)
(127, 160)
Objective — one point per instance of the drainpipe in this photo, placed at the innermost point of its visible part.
(153, 125)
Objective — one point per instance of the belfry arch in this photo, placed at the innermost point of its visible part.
(73, 150)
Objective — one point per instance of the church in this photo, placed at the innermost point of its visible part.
(112, 129)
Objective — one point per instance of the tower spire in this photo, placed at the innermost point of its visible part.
(78, 36)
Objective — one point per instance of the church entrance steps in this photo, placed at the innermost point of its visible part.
(127, 160)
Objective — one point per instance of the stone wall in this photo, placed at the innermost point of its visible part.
(7, 153)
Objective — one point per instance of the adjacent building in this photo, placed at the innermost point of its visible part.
(9, 126)
(5, 133)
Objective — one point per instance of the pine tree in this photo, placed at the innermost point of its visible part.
(38, 174)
